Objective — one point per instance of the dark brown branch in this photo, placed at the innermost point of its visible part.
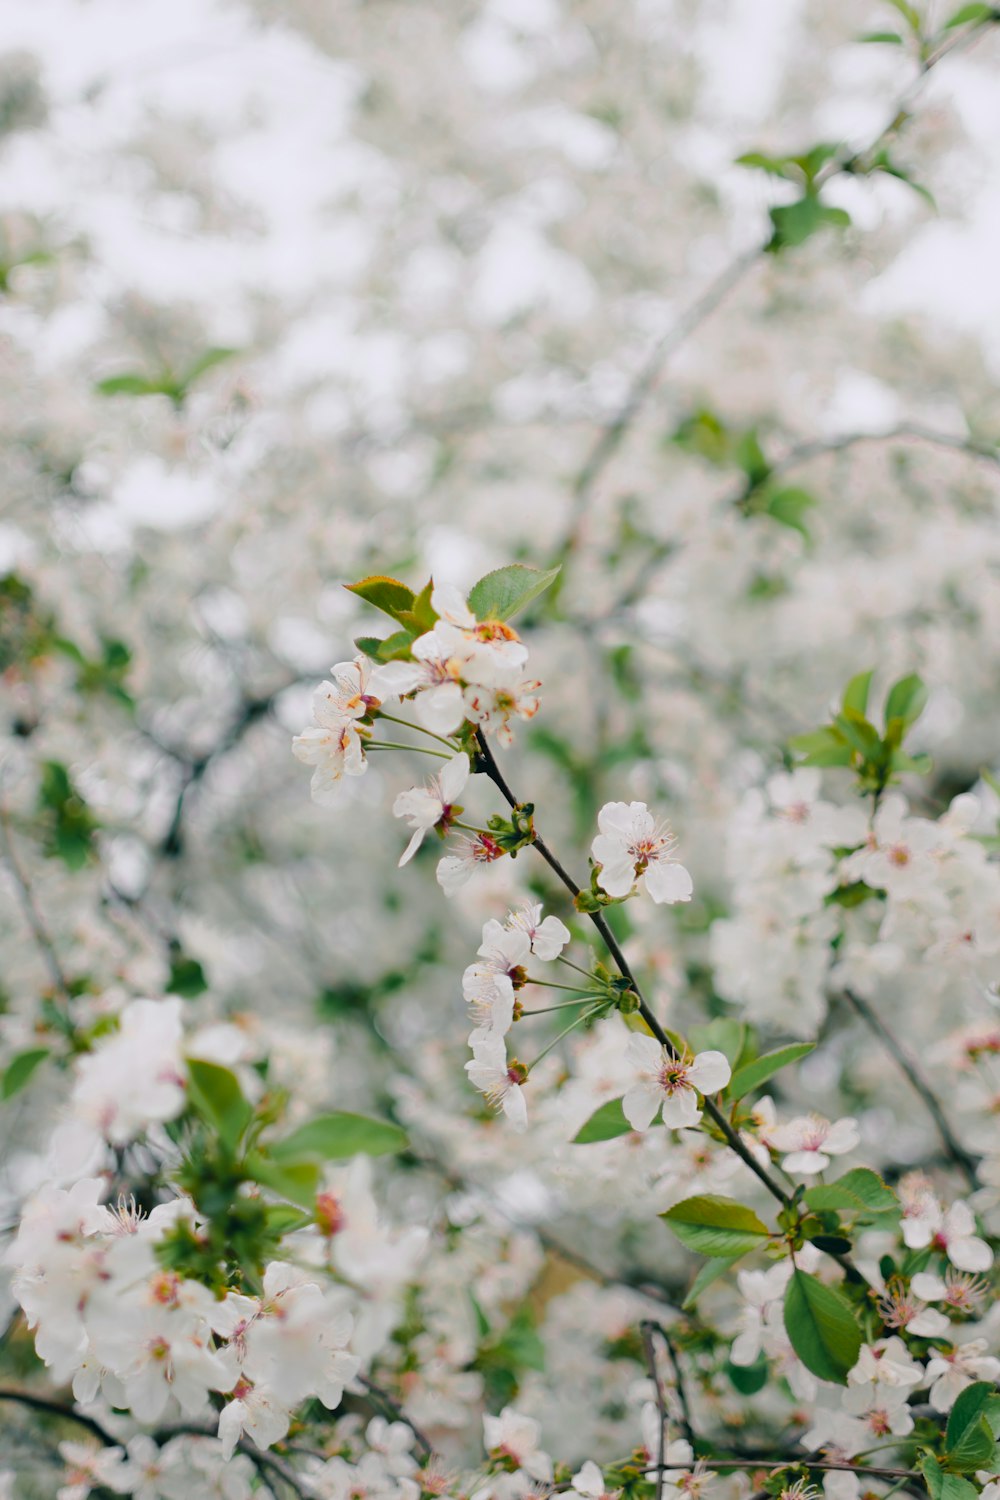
(729, 1134)
(54, 1408)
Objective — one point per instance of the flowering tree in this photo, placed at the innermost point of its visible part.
(683, 822)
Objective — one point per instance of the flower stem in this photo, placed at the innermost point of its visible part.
(563, 1005)
(416, 749)
(419, 729)
(557, 1039)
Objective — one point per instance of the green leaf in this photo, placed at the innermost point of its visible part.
(920, 764)
(283, 1219)
(129, 385)
(20, 1069)
(397, 647)
(501, 594)
(605, 1124)
(298, 1181)
(858, 733)
(967, 13)
(856, 693)
(370, 645)
(762, 1068)
(749, 1379)
(853, 895)
(712, 1270)
(338, 1135)
(909, 13)
(724, 1035)
(969, 1437)
(387, 594)
(750, 456)
(943, 1486)
(216, 1095)
(892, 38)
(907, 700)
(706, 435)
(187, 977)
(716, 1226)
(790, 507)
(794, 223)
(822, 1327)
(775, 166)
(857, 1190)
(205, 362)
(822, 747)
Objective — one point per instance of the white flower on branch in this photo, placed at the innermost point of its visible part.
(673, 1083)
(810, 1141)
(434, 805)
(631, 846)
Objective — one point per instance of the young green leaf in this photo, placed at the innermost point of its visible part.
(906, 701)
(856, 693)
(967, 13)
(969, 1438)
(745, 1080)
(501, 594)
(338, 1135)
(860, 1190)
(716, 1226)
(790, 506)
(20, 1069)
(216, 1095)
(712, 1270)
(605, 1124)
(298, 1181)
(386, 594)
(821, 1327)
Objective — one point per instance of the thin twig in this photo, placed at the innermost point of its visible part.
(954, 1150)
(611, 436)
(647, 1329)
(687, 1426)
(29, 906)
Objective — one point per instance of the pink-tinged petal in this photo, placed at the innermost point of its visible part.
(806, 1163)
(440, 709)
(970, 1254)
(453, 777)
(668, 883)
(639, 1106)
(710, 1072)
(680, 1110)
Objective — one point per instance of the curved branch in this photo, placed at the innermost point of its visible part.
(954, 1150)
